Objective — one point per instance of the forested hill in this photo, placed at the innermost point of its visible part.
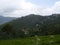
(31, 20)
(32, 25)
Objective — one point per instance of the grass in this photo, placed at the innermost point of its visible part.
(44, 40)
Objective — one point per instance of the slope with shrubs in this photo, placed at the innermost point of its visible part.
(31, 25)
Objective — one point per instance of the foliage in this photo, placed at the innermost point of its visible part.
(31, 25)
(44, 40)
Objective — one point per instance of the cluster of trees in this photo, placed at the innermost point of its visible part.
(7, 31)
(30, 26)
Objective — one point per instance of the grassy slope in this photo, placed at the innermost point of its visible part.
(44, 40)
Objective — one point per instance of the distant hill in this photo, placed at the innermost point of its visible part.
(31, 25)
(31, 20)
(5, 19)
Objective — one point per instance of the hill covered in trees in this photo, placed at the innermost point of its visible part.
(31, 25)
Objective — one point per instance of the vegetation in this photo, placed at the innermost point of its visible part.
(31, 25)
(31, 30)
(44, 40)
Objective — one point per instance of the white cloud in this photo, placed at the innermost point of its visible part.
(52, 10)
(46, 11)
(56, 7)
(19, 8)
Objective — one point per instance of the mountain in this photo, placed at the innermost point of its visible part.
(5, 19)
(31, 20)
(31, 25)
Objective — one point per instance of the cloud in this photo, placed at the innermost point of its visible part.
(17, 8)
(55, 9)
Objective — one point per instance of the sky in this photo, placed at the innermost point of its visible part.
(18, 8)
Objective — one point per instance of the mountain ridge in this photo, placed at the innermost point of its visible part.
(5, 19)
(31, 25)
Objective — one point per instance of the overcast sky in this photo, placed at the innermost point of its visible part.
(18, 8)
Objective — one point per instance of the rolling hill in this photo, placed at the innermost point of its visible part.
(5, 19)
(31, 20)
(31, 25)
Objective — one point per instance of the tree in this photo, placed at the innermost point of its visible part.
(7, 31)
(7, 28)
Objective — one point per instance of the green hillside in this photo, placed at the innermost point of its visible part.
(31, 25)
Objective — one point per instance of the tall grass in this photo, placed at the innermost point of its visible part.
(43, 40)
